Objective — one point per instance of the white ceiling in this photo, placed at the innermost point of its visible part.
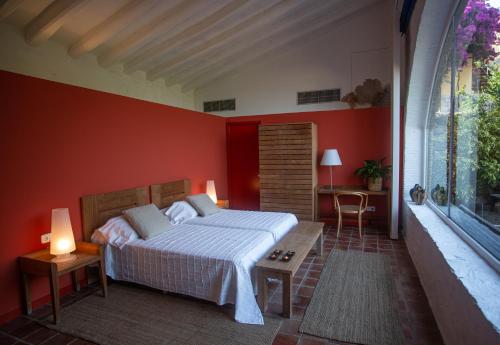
(186, 42)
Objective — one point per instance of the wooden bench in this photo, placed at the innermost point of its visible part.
(300, 239)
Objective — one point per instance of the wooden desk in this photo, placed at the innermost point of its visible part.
(325, 190)
(301, 239)
(40, 263)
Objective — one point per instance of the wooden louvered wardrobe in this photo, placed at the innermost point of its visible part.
(287, 168)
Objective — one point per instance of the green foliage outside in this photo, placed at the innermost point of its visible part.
(478, 135)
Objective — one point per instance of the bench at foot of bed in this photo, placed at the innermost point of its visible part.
(301, 239)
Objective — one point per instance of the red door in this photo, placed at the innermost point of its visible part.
(243, 165)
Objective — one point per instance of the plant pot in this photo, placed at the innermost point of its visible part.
(375, 184)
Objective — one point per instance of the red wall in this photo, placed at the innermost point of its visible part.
(357, 134)
(59, 142)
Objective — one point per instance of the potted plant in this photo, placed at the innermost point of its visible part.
(373, 172)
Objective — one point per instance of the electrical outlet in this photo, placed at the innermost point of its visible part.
(370, 208)
(45, 238)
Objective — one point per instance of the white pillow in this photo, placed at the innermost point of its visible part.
(116, 232)
(179, 212)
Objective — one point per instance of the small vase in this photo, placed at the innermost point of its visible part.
(412, 192)
(420, 196)
(375, 184)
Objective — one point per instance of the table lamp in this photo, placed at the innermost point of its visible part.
(62, 242)
(331, 158)
(211, 190)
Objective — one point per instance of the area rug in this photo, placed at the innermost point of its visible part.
(355, 301)
(132, 315)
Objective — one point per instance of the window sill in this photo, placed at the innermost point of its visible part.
(479, 279)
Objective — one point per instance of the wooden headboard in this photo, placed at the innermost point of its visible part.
(98, 208)
(164, 194)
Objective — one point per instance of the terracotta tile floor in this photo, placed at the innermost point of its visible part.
(416, 319)
(415, 315)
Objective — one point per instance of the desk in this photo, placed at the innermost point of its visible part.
(325, 190)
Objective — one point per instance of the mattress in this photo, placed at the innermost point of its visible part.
(207, 262)
(276, 223)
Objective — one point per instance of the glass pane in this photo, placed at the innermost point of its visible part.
(475, 185)
(438, 131)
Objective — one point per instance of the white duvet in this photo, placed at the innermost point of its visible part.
(214, 263)
(276, 223)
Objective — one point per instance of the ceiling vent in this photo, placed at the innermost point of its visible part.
(318, 96)
(222, 105)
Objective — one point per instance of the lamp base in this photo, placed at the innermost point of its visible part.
(64, 258)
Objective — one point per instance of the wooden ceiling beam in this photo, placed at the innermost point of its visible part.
(110, 26)
(225, 38)
(176, 12)
(44, 25)
(157, 49)
(8, 7)
(183, 72)
(196, 64)
(268, 46)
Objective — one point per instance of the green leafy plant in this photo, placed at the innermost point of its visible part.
(477, 133)
(373, 168)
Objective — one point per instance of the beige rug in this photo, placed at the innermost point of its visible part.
(355, 301)
(133, 316)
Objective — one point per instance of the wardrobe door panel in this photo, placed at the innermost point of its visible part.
(287, 168)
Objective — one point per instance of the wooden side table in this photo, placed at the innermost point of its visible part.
(39, 263)
(223, 203)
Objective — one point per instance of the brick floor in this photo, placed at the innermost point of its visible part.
(417, 321)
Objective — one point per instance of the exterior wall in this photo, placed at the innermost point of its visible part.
(350, 51)
(52, 62)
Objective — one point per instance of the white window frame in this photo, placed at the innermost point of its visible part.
(471, 242)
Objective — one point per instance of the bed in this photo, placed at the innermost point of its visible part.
(210, 259)
(276, 223)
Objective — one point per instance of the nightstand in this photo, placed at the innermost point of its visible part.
(39, 263)
(223, 203)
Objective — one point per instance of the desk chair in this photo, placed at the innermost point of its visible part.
(350, 209)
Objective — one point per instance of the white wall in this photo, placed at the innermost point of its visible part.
(50, 61)
(461, 288)
(350, 51)
(426, 34)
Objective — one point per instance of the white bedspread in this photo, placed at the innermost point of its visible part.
(276, 223)
(207, 262)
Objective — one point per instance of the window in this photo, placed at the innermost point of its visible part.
(463, 127)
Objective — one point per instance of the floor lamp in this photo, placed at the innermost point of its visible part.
(331, 158)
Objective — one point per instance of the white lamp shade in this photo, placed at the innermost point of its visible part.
(331, 157)
(211, 190)
(61, 233)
